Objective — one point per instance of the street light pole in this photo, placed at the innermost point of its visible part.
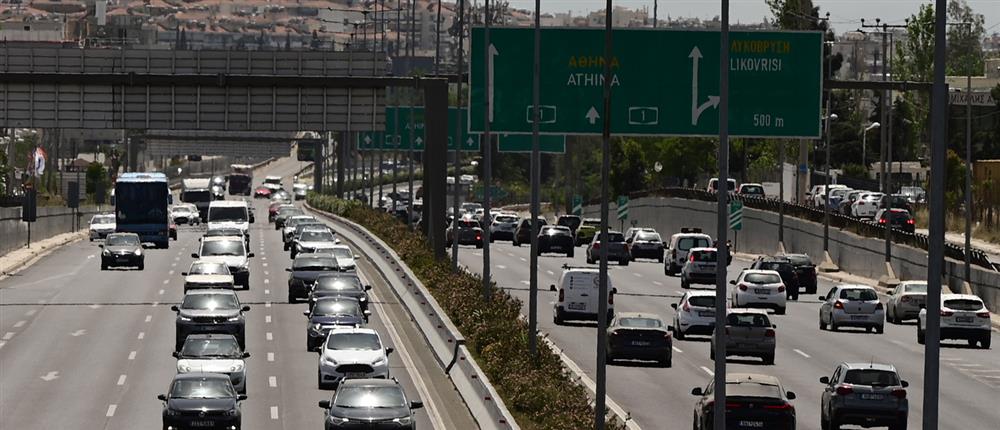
(864, 143)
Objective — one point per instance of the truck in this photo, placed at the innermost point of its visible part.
(141, 201)
(198, 192)
(240, 179)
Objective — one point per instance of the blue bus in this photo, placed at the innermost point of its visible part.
(141, 201)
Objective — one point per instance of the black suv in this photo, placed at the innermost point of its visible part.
(752, 400)
(785, 269)
(331, 312)
(201, 400)
(304, 271)
(372, 403)
(805, 270)
(556, 238)
(210, 311)
(339, 284)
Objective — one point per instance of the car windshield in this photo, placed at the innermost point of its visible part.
(209, 269)
(800, 260)
(370, 397)
(336, 308)
(210, 302)
(898, 215)
(217, 347)
(232, 248)
(316, 236)
(196, 196)
(223, 232)
(871, 377)
(686, 243)
(647, 237)
(342, 253)
(180, 209)
(338, 283)
(706, 256)
(354, 342)
(289, 211)
(776, 266)
(227, 213)
(633, 322)
(702, 301)
(915, 288)
(571, 221)
(612, 237)
(592, 223)
(123, 240)
(963, 304)
(322, 263)
(862, 294)
(747, 320)
(103, 219)
(202, 389)
(761, 278)
(467, 224)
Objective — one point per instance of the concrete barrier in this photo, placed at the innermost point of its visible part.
(858, 255)
(51, 221)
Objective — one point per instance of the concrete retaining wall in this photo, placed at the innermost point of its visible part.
(862, 256)
(51, 221)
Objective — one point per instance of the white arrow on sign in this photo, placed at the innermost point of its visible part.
(368, 140)
(489, 59)
(49, 377)
(78, 333)
(418, 141)
(592, 115)
(469, 141)
(713, 101)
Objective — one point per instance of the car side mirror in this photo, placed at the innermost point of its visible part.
(416, 404)
(696, 391)
(733, 282)
(673, 305)
(245, 308)
(389, 350)
(822, 298)
(288, 269)
(368, 287)
(246, 355)
(184, 273)
(357, 257)
(790, 395)
(194, 255)
(305, 313)
(241, 397)
(175, 354)
(774, 326)
(367, 314)
(100, 245)
(325, 404)
(552, 287)
(824, 380)
(162, 397)
(905, 384)
(174, 308)
(250, 255)
(614, 290)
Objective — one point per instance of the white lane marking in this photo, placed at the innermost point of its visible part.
(264, 264)
(267, 319)
(166, 281)
(94, 306)
(111, 410)
(78, 333)
(177, 258)
(679, 292)
(551, 273)
(269, 336)
(20, 323)
(131, 355)
(274, 412)
(49, 377)
(272, 381)
(966, 365)
(524, 259)
(149, 318)
(161, 292)
(30, 313)
(267, 292)
(270, 356)
(267, 281)
(501, 266)
(155, 304)
(677, 350)
(266, 273)
(91, 256)
(267, 304)
(263, 258)
(121, 379)
(173, 264)
(142, 335)
(708, 371)
(658, 283)
(637, 274)
(510, 254)
(799, 351)
(526, 282)
(171, 272)
(2, 343)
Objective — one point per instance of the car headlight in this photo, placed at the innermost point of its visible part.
(234, 319)
(337, 421)
(317, 327)
(171, 413)
(233, 412)
(329, 360)
(379, 362)
(403, 420)
(183, 369)
(138, 251)
(106, 252)
(183, 318)
(238, 367)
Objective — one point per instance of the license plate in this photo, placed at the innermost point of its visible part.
(706, 314)
(869, 396)
(859, 317)
(751, 424)
(578, 306)
(355, 374)
(963, 319)
(761, 291)
(641, 343)
(557, 247)
(202, 423)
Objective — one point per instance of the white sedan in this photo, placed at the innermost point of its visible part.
(852, 306)
(759, 289)
(352, 353)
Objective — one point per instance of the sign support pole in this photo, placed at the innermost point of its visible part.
(487, 161)
(602, 293)
(535, 179)
(722, 210)
(458, 133)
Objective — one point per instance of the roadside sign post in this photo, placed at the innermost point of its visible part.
(736, 215)
(577, 205)
(622, 211)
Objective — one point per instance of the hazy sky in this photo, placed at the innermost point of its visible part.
(845, 14)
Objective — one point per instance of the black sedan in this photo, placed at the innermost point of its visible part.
(899, 219)
(753, 401)
(805, 270)
(636, 336)
(330, 312)
(785, 269)
(646, 244)
(556, 238)
(369, 404)
(339, 284)
(122, 249)
(201, 400)
(304, 271)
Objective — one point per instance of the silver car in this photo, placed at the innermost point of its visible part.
(750, 334)
(700, 267)
(214, 353)
(851, 306)
(906, 301)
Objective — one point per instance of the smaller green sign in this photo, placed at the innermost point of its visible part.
(577, 205)
(622, 208)
(736, 215)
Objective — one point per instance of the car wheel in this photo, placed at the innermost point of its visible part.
(659, 259)
(711, 353)
(623, 262)
(984, 343)
(900, 425)
(319, 381)
(516, 243)
(684, 284)
(879, 329)
(824, 424)
(769, 359)
(479, 245)
(142, 264)
(91, 239)
(104, 266)
(557, 317)
(667, 362)
(590, 260)
(678, 333)
(833, 324)
(779, 311)
(920, 336)
(890, 315)
(291, 298)
(569, 254)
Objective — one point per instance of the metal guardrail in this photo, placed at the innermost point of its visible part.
(446, 342)
(861, 227)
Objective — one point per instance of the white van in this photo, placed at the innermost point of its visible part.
(680, 243)
(229, 214)
(578, 296)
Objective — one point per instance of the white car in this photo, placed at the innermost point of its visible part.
(866, 205)
(963, 316)
(694, 313)
(504, 225)
(352, 353)
(185, 214)
(759, 289)
(713, 185)
(229, 214)
(228, 250)
(204, 274)
(700, 267)
(319, 240)
(906, 301)
(578, 296)
(101, 225)
(345, 257)
(680, 243)
(214, 353)
(850, 305)
(818, 193)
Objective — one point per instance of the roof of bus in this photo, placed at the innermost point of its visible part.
(142, 177)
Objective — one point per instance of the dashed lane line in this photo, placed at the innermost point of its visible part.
(121, 380)
(131, 355)
(799, 352)
(142, 335)
(676, 349)
(274, 412)
(111, 411)
(267, 319)
(272, 381)
(20, 323)
(8, 335)
(708, 371)
(269, 336)
(149, 318)
(270, 356)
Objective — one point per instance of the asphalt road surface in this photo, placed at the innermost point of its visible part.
(659, 398)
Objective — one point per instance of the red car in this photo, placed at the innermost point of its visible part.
(272, 210)
(262, 193)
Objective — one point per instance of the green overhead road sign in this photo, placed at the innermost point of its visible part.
(379, 140)
(736, 215)
(664, 82)
(577, 205)
(622, 208)
(553, 144)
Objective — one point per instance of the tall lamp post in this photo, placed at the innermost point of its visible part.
(864, 143)
(826, 191)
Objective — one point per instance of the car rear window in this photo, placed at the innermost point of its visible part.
(915, 288)
(103, 219)
(963, 304)
(753, 189)
(748, 320)
(762, 278)
(640, 322)
(752, 389)
(210, 301)
(706, 256)
(504, 218)
(874, 377)
(648, 237)
(776, 266)
(613, 237)
(702, 301)
(800, 260)
(858, 294)
(686, 243)
(353, 342)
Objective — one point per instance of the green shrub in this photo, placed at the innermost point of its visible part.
(541, 393)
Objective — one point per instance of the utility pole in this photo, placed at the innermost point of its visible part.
(535, 185)
(487, 143)
(458, 132)
(602, 285)
(722, 227)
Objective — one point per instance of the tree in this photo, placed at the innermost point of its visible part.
(965, 50)
(628, 167)
(914, 61)
(96, 174)
(802, 15)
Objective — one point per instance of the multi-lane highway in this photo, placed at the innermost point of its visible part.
(659, 398)
(85, 348)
